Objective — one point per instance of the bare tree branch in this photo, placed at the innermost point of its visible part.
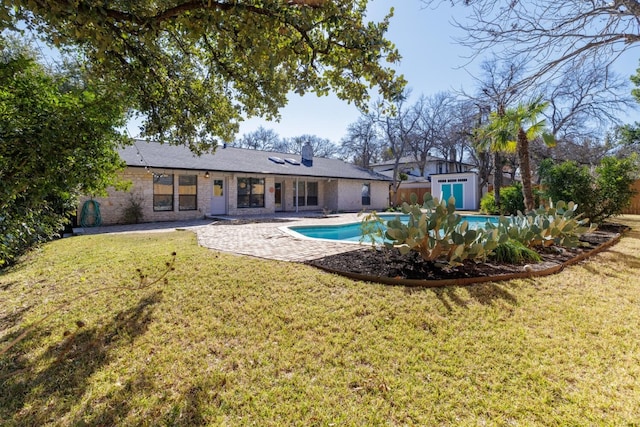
(549, 33)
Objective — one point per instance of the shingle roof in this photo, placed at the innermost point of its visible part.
(410, 159)
(229, 159)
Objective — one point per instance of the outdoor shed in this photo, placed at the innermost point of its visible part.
(462, 186)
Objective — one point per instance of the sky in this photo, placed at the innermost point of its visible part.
(431, 62)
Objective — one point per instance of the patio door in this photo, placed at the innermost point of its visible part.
(218, 199)
(277, 195)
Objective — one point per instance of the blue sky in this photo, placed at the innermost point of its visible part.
(431, 62)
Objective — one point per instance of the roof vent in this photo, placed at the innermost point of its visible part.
(277, 160)
(292, 161)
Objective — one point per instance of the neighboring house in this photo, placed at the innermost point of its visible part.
(433, 165)
(171, 183)
(417, 182)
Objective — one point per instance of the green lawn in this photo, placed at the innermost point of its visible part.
(232, 340)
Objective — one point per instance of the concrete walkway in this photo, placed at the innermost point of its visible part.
(264, 237)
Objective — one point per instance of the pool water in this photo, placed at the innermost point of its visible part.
(352, 232)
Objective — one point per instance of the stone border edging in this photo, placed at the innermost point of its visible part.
(465, 281)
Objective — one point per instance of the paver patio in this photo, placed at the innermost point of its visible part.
(263, 238)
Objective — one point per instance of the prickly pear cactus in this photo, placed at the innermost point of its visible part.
(437, 232)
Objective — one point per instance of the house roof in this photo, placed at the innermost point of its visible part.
(406, 160)
(229, 159)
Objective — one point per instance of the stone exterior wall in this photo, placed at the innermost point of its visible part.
(333, 194)
(350, 195)
(331, 201)
(112, 208)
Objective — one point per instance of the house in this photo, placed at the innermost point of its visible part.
(171, 183)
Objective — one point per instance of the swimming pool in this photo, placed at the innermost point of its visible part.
(352, 232)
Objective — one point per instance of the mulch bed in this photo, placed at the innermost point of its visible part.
(390, 264)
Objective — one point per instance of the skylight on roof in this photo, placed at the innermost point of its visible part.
(292, 161)
(277, 160)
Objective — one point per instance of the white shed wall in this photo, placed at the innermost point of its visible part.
(469, 181)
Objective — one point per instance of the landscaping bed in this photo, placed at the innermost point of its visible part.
(389, 266)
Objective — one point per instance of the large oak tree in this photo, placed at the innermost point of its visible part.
(195, 69)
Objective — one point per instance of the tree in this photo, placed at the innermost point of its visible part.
(361, 145)
(550, 33)
(322, 147)
(195, 69)
(398, 124)
(260, 139)
(457, 142)
(585, 151)
(522, 124)
(626, 139)
(58, 139)
(499, 87)
(583, 102)
(434, 116)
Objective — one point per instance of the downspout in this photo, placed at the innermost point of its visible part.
(296, 194)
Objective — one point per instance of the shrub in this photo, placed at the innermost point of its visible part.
(614, 178)
(133, 212)
(488, 204)
(23, 228)
(599, 195)
(512, 201)
(514, 252)
(436, 232)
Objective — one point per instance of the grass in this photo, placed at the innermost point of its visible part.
(233, 340)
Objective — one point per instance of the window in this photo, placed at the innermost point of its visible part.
(163, 192)
(307, 193)
(218, 188)
(312, 194)
(187, 192)
(301, 193)
(366, 194)
(251, 192)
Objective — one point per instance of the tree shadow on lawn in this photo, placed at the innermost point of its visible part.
(11, 319)
(8, 285)
(484, 293)
(633, 233)
(631, 262)
(38, 398)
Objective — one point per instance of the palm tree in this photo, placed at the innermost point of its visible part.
(512, 131)
(495, 138)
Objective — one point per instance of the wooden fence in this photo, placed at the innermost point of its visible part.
(404, 194)
(634, 208)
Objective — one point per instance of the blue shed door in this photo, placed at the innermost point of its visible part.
(458, 194)
(446, 192)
